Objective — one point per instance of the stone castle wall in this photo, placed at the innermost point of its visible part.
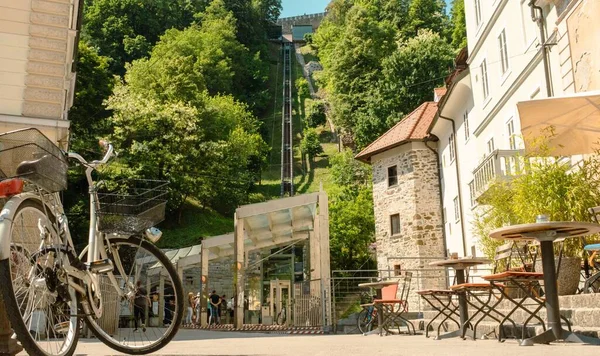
(416, 199)
(309, 19)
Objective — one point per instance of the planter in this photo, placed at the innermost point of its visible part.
(568, 276)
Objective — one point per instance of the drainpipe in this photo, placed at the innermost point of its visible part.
(437, 160)
(460, 203)
(537, 15)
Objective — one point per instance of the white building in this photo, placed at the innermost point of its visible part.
(38, 40)
(478, 123)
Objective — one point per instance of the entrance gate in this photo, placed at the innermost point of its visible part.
(280, 301)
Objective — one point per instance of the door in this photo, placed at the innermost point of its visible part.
(280, 291)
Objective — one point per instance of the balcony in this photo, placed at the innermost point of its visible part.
(498, 165)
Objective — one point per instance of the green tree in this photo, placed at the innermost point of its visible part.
(349, 173)
(302, 88)
(125, 30)
(315, 113)
(310, 143)
(93, 85)
(352, 230)
(426, 14)
(459, 27)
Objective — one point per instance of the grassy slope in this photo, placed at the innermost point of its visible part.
(196, 223)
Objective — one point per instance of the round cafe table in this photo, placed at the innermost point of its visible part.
(547, 233)
(460, 265)
(378, 286)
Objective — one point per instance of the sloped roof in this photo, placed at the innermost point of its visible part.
(439, 92)
(414, 127)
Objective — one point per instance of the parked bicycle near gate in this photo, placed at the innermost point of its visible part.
(47, 287)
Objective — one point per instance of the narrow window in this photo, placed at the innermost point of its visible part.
(395, 224)
(452, 148)
(397, 270)
(503, 51)
(456, 210)
(477, 12)
(392, 176)
(472, 191)
(510, 130)
(490, 145)
(466, 125)
(484, 79)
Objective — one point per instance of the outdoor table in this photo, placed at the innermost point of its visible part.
(378, 286)
(460, 265)
(546, 233)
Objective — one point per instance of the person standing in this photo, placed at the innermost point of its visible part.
(140, 303)
(223, 307)
(215, 301)
(190, 309)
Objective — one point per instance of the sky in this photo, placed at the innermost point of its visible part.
(301, 7)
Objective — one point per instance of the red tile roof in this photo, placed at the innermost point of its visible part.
(439, 92)
(415, 126)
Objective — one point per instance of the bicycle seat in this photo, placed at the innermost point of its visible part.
(37, 166)
(592, 247)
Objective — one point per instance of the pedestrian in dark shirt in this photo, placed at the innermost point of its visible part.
(140, 303)
(215, 301)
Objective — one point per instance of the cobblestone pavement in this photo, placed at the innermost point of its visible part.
(196, 342)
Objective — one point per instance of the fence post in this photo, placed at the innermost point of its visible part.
(333, 311)
(324, 306)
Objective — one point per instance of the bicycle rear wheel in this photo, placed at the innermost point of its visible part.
(137, 260)
(41, 306)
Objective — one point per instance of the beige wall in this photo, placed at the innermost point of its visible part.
(37, 38)
(584, 41)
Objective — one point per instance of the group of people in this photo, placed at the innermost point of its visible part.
(218, 306)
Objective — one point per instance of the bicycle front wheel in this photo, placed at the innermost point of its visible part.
(142, 298)
(367, 321)
(41, 306)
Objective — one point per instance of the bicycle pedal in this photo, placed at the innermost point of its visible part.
(100, 266)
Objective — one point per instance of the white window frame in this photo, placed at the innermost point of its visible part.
(472, 194)
(504, 63)
(466, 126)
(491, 147)
(477, 10)
(452, 147)
(510, 130)
(456, 209)
(485, 85)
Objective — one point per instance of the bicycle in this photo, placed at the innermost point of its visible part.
(367, 318)
(47, 288)
(281, 317)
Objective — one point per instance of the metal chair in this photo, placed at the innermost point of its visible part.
(393, 307)
(442, 301)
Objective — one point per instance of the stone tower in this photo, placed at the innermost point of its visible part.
(406, 194)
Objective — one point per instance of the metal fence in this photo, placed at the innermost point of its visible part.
(346, 296)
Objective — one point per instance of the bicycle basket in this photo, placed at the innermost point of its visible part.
(30, 155)
(135, 205)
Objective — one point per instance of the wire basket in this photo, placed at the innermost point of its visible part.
(134, 206)
(30, 155)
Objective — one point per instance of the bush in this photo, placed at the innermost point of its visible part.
(547, 186)
(315, 115)
(310, 143)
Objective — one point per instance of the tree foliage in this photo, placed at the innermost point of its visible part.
(351, 216)
(546, 186)
(126, 30)
(381, 59)
(459, 26)
(315, 113)
(310, 143)
(88, 114)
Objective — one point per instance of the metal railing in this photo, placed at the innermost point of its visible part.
(346, 296)
(498, 165)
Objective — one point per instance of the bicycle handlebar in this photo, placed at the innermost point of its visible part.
(110, 151)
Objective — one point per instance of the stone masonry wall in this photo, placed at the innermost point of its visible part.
(416, 199)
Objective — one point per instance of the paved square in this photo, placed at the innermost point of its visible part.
(194, 342)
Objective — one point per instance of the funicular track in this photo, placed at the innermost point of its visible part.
(287, 156)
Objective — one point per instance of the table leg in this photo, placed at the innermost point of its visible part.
(555, 330)
(463, 310)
